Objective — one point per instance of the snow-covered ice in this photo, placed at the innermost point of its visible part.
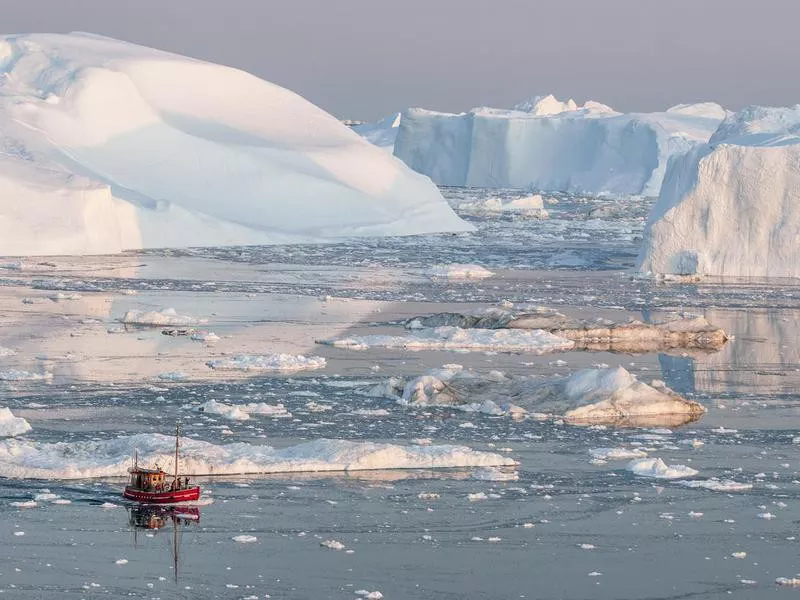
(110, 146)
(111, 457)
(554, 146)
(658, 469)
(268, 362)
(11, 425)
(728, 207)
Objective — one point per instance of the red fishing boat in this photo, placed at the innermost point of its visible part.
(155, 486)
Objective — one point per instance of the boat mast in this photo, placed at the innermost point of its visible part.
(177, 442)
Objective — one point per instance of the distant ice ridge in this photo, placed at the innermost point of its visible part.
(11, 425)
(383, 133)
(268, 362)
(731, 207)
(111, 458)
(106, 146)
(550, 145)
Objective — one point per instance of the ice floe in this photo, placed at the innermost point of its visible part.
(658, 469)
(610, 396)
(10, 425)
(531, 207)
(663, 333)
(268, 362)
(17, 375)
(160, 318)
(456, 338)
(242, 412)
(717, 485)
(21, 458)
(617, 453)
(458, 271)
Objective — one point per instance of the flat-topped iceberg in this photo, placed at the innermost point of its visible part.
(732, 207)
(111, 457)
(106, 146)
(550, 145)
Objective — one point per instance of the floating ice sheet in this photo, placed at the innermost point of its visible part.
(111, 458)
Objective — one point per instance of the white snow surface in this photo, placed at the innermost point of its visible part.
(107, 146)
(535, 341)
(730, 207)
(550, 145)
(11, 425)
(111, 457)
(268, 362)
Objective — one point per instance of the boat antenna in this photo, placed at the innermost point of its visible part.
(177, 445)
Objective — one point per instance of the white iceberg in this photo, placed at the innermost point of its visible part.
(268, 362)
(553, 146)
(111, 458)
(106, 146)
(729, 207)
(534, 341)
(11, 425)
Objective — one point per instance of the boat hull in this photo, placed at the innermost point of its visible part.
(169, 497)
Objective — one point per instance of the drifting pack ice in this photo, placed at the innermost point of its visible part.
(107, 146)
(550, 145)
(730, 207)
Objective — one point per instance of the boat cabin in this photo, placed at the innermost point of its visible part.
(155, 480)
(148, 480)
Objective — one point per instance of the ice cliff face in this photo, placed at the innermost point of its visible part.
(106, 146)
(552, 145)
(732, 207)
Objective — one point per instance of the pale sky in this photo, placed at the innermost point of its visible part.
(363, 59)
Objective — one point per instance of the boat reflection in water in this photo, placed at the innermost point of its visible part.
(154, 517)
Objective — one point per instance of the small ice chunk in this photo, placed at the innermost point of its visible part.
(121, 561)
(333, 544)
(245, 539)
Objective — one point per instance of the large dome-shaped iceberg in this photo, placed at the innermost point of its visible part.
(106, 146)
